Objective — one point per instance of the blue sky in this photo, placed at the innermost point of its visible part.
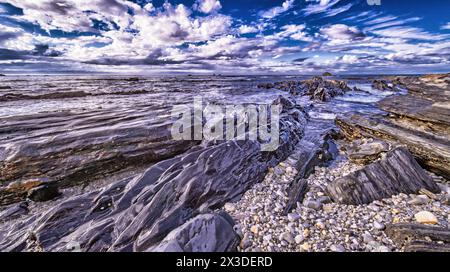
(229, 37)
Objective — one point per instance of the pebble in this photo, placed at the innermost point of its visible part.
(318, 224)
(337, 248)
(379, 226)
(315, 205)
(293, 217)
(299, 239)
(230, 207)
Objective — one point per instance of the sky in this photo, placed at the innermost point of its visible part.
(225, 37)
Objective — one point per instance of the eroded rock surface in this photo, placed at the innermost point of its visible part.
(397, 173)
(136, 214)
(419, 120)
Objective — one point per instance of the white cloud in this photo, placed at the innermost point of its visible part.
(447, 26)
(208, 6)
(245, 29)
(341, 32)
(274, 12)
(319, 6)
(413, 33)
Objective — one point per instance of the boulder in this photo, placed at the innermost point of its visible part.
(397, 173)
(203, 233)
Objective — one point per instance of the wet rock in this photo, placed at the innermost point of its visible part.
(419, 120)
(323, 90)
(397, 173)
(381, 85)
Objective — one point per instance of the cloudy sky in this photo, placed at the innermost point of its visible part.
(226, 36)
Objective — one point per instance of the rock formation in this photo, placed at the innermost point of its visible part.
(397, 173)
(151, 211)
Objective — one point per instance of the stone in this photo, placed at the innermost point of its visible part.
(425, 217)
(419, 200)
(299, 239)
(230, 207)
(305, 247)
(254, 229)
(379, 226)
(293, 217)
(286, 236)
(337, 248)
(397, 173)
(315, 205)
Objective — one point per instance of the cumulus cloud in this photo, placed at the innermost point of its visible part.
(245, 29)
(274, 12)
(207, 6)
(341, 32)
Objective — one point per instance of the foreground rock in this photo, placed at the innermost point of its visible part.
(420, 238)
(419, 120)
(397, 173)
(97, 145)
(138, 213)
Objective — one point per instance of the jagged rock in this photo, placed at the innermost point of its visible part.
(137, 213)
(203, 233)
(419, 237)
(323, 90)
(316, 88)
(397, 173)
(381, 85)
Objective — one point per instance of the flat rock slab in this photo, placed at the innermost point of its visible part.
(397, 173)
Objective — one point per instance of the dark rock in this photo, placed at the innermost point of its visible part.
(362, 152)
(137, 213)
(397, 173)
(316, 88)
(203, 233)
(381, 85)
(2, 75)
(323, 90)
(419, 237)
(43, 193)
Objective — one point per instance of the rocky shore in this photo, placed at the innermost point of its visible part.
(371, 180)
